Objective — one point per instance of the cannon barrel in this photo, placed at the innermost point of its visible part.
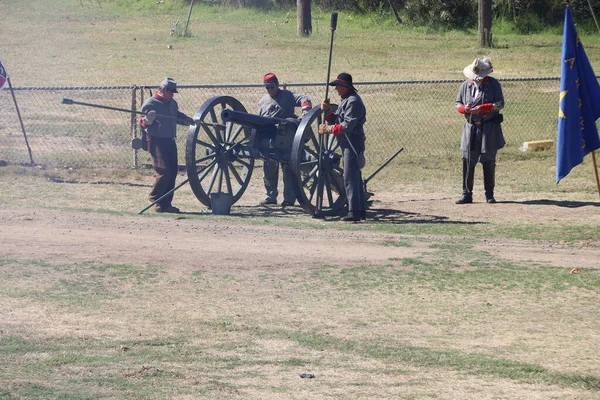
(249, 120)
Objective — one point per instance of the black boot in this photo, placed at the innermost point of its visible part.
(352, 216)
(489, 180)
(468, 178)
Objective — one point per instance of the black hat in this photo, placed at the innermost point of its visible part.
(169, 84)
(344, 79)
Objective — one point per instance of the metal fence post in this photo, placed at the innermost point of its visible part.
(134, 124)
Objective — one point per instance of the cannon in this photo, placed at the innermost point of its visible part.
(225, 142)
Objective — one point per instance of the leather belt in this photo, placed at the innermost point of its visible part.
(477, 122)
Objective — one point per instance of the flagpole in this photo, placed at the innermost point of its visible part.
(596, 171)
(594, 15)
(12, 92)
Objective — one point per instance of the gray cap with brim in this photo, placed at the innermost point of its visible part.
(169, 84)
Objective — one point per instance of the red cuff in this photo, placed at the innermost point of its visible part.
(486, 108)
(337, 129)
(330, 117)
(461, 109)
(141, 122)
(306, 104)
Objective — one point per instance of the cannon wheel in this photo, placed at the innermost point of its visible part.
(305, 168)
(214, 155)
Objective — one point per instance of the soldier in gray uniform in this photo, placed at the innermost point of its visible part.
(347, 125)
(161, 141)
(480, 100)
(279, 103)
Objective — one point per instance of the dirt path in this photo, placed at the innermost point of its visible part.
(60, 236)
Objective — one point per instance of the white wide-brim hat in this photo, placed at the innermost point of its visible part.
(478, 69)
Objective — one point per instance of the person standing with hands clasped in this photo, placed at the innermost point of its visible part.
(480, 100)
(346, 123)
(161, 134)
(279, 103)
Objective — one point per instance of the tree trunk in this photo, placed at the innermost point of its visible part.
(304, 19)
(393, 7)
(485, 23)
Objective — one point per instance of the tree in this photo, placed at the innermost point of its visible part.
(485, 23)
(304, 19)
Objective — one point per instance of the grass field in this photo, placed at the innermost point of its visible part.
(80, 43)
(425, 300)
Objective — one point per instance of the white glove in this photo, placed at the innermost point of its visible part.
(305, 110)
(149, 118)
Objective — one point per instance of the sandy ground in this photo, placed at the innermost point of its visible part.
(28, 233)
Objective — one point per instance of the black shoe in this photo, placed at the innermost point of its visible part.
(286, 203)
(268, 201)
(167, 209)
(363, 215)
(352, 217)
(465, 199)
(491, 200)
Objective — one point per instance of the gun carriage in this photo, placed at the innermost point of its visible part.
(224, 142)
(222, 147)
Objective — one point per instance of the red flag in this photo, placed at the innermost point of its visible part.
(3, 74)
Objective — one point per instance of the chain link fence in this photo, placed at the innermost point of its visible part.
(417, 115)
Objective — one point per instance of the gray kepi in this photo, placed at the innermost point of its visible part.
(169, 84)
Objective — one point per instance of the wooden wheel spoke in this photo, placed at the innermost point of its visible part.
(237, 176)
(212, 180)
(314, 141)
(336, 145)
(308, 163)
(312, 152)
(205, 144)
(220, 181)
(328, 187)
(310, 175)
(206, 157)
(215, 120)
(244, 163)
(236, 134)
(213, 115)
(228, 179)
(312, 190)
(210, 135)
(204, 171)
(228, 129)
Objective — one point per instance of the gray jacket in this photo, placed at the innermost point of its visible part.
(282, 106)
(163, 127)
(352, 115)
(492, 137)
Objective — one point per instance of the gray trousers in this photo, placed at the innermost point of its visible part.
(470, 160)
(271, 178)
(355, 191)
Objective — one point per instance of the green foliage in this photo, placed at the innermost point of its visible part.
(525, 16)
(458, 14)
(529, 16)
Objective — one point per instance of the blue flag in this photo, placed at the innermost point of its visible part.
(579, 105)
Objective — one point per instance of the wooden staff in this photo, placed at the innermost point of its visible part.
(320, 177)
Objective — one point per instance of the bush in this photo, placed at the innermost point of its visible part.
(458, 14)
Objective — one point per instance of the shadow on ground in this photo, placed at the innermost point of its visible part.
(374, 215)
(559, 203)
